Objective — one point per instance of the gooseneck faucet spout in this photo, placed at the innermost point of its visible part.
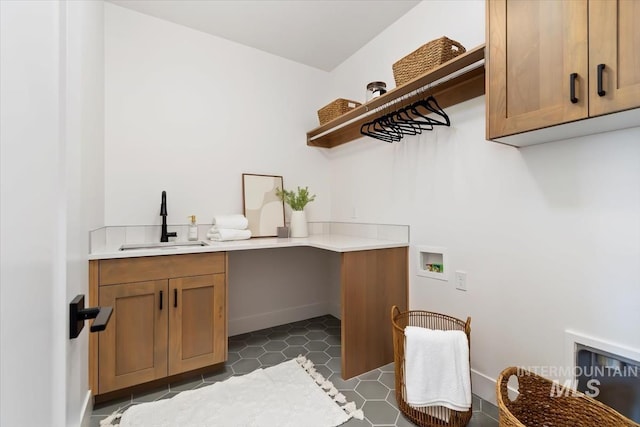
(164, 236)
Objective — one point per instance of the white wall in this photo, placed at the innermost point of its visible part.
(32, 365)
(51, 154)
(188, 113)
(260, 295)
(84, 166)
(549, 235)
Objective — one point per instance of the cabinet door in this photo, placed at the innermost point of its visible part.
(133, 347)
(614, 42)
(533, 49)
(197, 322)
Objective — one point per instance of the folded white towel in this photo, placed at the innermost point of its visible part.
(225, 234)
(437, 368)
(236, 221)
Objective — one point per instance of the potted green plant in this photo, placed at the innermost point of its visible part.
(297, 200)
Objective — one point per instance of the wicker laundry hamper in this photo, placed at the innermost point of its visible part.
(433, 415)
(538, 404)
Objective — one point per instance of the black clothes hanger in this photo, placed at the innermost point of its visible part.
(431, 106)
(367, 129)
(411, 120)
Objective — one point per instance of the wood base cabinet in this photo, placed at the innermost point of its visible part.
(553, 62)
(172, 321)
(372, 282)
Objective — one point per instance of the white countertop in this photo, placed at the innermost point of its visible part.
(331, 242)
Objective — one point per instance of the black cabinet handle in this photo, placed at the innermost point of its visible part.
(161, 293)
(601, 91)
(175, 297)
(572, 87)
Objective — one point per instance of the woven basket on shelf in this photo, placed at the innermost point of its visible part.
(336, 109)
(431, 416)
(541, 403)
(426, 57)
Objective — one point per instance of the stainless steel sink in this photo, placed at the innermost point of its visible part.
(167, 245)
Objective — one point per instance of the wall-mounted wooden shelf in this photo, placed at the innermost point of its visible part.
(463, 87)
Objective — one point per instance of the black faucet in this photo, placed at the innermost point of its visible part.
(164, 236)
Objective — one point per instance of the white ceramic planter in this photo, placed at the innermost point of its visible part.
(299, 224)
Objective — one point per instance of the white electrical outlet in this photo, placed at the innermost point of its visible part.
(461, 280)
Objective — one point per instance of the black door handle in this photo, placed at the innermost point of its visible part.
(161, 293)
(175, 297)
(572, 87)
(601, 91)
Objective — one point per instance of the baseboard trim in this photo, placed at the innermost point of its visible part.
(87, 410)
(483, 386)
(241, 325)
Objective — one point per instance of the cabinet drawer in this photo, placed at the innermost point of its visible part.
(126, 270)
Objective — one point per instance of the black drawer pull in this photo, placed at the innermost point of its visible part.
(175, 297)
(601, 91)
(161, 300)
(572, 87)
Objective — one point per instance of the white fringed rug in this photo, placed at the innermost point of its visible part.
(289, 394)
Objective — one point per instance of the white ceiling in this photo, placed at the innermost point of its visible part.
(319, 33)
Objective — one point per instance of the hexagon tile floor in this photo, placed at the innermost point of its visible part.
(319, 340)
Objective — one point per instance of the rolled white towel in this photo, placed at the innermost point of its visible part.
(225, 234)
(235, 221)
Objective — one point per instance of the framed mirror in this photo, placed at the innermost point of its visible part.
(262, 208)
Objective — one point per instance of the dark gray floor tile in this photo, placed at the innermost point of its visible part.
(251, 352)
(341, 384)
(324, 371)
(356, 423)
(220, 375)
(294, 351)
(475, 403)
(316, 335)
(316, 346)
(232, 356)
(150, 396)
(354, 397)
(244, 366)
(482, 420)
(257, 340)
(297, 340)
(371, 375)
(388, 379)
(490, 409)
(271, 358)
(236, 345)
(318, 357)
(372, 390)
(109, 407)
(276, 345)
(380, 412)
(333, 340)
(388, 368)
(335, 364)
(185, 385)
(319, 340)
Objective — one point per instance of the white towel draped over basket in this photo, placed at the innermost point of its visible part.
(437, 368)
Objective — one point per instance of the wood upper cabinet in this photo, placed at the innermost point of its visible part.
(614, 43)
(169, 317)
(196, 320)
(543, 56)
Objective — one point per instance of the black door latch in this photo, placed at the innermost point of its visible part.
(78, 314)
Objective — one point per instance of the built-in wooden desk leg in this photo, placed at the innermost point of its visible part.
(372, 282)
